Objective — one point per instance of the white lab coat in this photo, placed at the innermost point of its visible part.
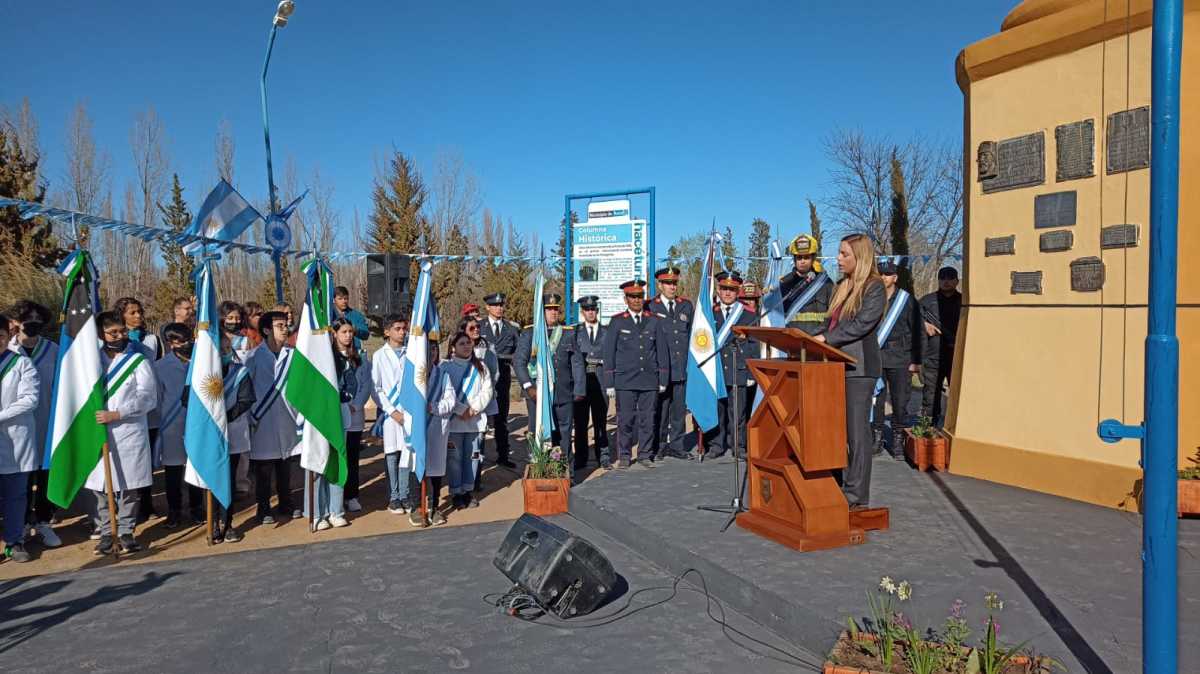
(19, 395)
(387, 369)
(273, 426)
(45, 359)
(128, 438)
(239, 429)
(171, 373)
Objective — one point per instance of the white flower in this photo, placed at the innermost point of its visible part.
(887, 585)
(993, 601)
(904, 590)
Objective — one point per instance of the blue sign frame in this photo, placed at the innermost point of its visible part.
(568, 281)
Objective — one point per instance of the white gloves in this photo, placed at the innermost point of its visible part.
(610, 392)
(662, 389)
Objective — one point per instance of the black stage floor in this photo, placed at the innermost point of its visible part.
(1068, 572)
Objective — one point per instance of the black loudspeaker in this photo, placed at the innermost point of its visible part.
(565, 574)
(387, 283)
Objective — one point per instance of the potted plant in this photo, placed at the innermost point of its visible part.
(927, 447)
(1189, 487)
(547, 481)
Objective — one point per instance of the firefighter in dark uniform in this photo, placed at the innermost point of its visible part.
(900, 357)
(636, 371)
(676, 312)
(735, 350)
(501, 334)
(940, 311)
(589, 340)
(569, 379)
(806, 281)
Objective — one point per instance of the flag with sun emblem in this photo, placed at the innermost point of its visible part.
(205, 430)
(705, 381)
(418, 364)
(312, 385)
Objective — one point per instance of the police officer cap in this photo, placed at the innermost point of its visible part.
(668, 274)
(729, 280)
(589, 302)
(947, 274)
(888, 268)
(494, 299)
(749, 291)
(552, 301)
(635, 288)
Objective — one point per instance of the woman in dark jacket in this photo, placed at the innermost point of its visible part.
(854, 314)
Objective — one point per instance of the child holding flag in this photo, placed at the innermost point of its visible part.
(19, 457)
(387, 371)
(239, 400)
(171, 372)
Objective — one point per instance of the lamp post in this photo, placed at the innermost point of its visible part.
(282, 13)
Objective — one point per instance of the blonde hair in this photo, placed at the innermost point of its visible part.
(848, 295)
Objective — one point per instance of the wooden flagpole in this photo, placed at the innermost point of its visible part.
(424, 500)
(208, 516)
(312, 505)
(112, 504)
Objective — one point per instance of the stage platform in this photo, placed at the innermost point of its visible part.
(1068, 572)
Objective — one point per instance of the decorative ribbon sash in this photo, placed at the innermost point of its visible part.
(40, 351)
(233, 380)
(120, 372)
(281, 369)
(893, 315)
(7, 361)
(464, 389)
(805, 297)
(554, 337)
(727, 327)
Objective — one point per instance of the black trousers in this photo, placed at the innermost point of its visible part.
(353, 451)
(234, 460)
(38, 508)
(635, 423)
(856, 479)
(721, 439)
(146, 494)
(175, 491)
(897, 385)
(932, 375)
(282, 469)
(671, 415)
(500, 418)
(595, 406)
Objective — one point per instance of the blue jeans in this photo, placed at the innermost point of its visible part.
(462, 460)
(397, 478)
(329, 498)
(12, 496)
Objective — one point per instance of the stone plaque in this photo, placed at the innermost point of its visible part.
(985, 158)
(1119, 236)
(1129, 140)
(1075, 145)
(1000, 245)
(1020, 162)
(1053, 242)
(1054, 210)
(1026, 283)
(1087, 274)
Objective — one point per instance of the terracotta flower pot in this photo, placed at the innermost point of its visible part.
(546, 496)
(1189, 497)
(926, 453)
(1018, 663)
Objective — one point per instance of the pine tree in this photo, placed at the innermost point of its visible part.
(397, 223)
(899, 223)
(33, 239)
(729, 250)
(760, 246)
(179, 265)
(518, 278)
(814, 222)
(559, 268)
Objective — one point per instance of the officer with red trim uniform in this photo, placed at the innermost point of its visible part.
(676, 313)
(636, 370)
(736, 374)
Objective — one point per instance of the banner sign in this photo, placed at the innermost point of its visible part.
(608, 249)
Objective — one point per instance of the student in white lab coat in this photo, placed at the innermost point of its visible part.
(26, 323)
(354, 375)
(132, 312)
(133, 394)
(273, 437)
(387, 369)
(171, 372)
(19, 458)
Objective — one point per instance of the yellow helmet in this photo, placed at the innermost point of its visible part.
(806, 245)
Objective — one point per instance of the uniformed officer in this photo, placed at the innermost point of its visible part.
(501, 335)
(940, 311)
(806, 289)
(735, 350)
(748, 295)
(636, 371)
(589, 340)
(676, 312)
(569, 375)
(899, 338)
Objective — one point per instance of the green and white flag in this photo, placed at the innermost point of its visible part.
(75, 440)
(312, 387)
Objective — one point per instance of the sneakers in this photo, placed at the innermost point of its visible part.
(397, 508)
(95, 534)
(622, 464)
(417, 520)
(17, 553)
(104, 547)
(297, 514)
(129, 544)
(353, 505)
(323, 525)
(266, 519)
(337, 521)
(172, 520)
(232, 535)
(472, 502)
(46, 532)
(437, 519)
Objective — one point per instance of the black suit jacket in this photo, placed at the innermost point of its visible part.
(745, 348)
(635, 356)
(570, 380)
(903, 345)
(590, 349)
(678, 326)
(856, 334)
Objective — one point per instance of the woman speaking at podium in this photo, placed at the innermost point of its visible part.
(854, 313)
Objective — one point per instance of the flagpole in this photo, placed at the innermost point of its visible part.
(208, 516)
(424, 500)
(312, 505)
(112, 504)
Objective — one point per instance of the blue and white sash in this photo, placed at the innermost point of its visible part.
(892, 317)
(40, 351)
(281, 369)
(120, 371)
(7, 360)
(464, 389)
(727, 327)
(805, 297)
(233, 380)
(393, 395)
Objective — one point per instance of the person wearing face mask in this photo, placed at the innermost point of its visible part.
(133, 314)
(470, 324)
(273, 421)
(735, 350)
(354, 379)
(168, 450)
(636, 371)
(27, 321)
(806, 289)
(239, 400)
(570, 375)
(133, 394)
(233, 324)
(19, 458)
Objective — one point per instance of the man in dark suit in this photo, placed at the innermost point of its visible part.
(676, 313)
(735, 349)
(569, 378)
(636, 371)
(940, 310)
(899, 337)
(806, 289)
(589, 340)
(501, 335)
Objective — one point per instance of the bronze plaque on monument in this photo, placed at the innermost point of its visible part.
(1000, 245)
(1129, 140)
(985, 158)
(1087, 274)
(1075, 145)
(1020, 162)
(1058, 240)
(1026, 283)
(1054, 210)
(1119, 236)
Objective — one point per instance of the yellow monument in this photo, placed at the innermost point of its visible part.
(1057, 148)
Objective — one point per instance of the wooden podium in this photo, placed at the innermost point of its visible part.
(797, 438)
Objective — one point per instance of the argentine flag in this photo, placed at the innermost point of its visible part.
(772, 303)
(224, 215)
(545, 366)
(205, 431)
(418, 364)
(705, 381)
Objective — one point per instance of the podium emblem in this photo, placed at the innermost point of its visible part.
(764, 486)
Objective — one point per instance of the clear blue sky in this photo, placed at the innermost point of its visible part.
(721, 106)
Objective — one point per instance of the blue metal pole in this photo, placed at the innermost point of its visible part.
(1161, 443)
(270, 169)
(568, 268)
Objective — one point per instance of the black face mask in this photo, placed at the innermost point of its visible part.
(233, 326)
(32, 328)
(184, 352)
(117, 344)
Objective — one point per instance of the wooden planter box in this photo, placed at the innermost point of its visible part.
(1019, 663)
(926, 453)
(545, 497)
(1189, 498)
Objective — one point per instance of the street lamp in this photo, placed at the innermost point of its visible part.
(276, 228)
(283, 12)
